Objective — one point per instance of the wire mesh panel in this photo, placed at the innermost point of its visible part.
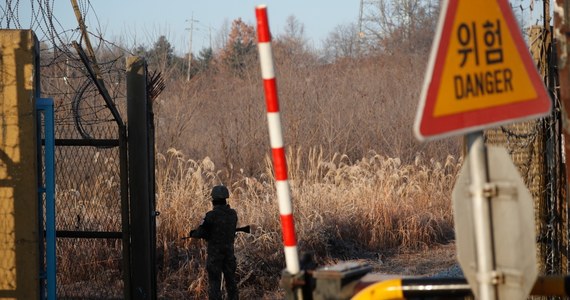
(88, 196)
(524, 142)
(88, 201)
(88, 189)
(89, 269)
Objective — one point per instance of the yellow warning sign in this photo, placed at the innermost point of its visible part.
(481, 68)
(480, 72)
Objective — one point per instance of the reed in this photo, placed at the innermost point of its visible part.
(343, 210)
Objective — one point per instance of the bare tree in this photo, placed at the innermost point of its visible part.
(341, 42)
(294, 36)
(291, 47)
(221, 38)
(405, 25)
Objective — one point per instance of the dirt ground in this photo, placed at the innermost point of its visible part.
(428, 261)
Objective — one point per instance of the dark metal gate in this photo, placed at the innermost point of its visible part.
(105, 228)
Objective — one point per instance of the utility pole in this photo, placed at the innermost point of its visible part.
(210, 31)
(191, 29)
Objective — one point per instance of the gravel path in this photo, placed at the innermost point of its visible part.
(453, 272)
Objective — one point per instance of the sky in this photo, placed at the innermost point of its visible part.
(143, 21)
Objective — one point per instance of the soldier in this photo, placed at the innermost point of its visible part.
(218, 228)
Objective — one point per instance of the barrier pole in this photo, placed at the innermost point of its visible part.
(276, 140)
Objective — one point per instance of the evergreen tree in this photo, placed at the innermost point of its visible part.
(204, 59)
(162, 53)
(240, 49)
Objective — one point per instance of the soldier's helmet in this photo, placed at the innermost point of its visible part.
(220, 192)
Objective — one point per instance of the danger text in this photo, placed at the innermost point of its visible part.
(480, 84)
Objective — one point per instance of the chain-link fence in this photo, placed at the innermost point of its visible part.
(88, 201)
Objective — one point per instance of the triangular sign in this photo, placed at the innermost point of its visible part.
(480, 73)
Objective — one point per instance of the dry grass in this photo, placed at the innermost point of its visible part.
(343, 210)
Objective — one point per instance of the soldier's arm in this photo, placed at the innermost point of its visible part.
(202, 231)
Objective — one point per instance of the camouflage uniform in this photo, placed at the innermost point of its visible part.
(219, 229)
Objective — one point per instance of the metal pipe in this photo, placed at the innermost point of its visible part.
(101, 143)
(125, 208)
(389, 289)
(448, 288)
(93, 67)
(482, 216)
(99, 83)
(402, 288)
(88, 234)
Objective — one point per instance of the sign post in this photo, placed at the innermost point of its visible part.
(482, 227)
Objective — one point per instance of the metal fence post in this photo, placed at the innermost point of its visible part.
(45, 106)
(141, 182)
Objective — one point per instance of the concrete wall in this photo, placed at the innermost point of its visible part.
(19, 236)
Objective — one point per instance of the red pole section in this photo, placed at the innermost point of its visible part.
(276, 140)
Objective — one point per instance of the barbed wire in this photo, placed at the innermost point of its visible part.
(63, 74)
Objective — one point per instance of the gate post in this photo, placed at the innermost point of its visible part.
(19, 236)
(141, 181)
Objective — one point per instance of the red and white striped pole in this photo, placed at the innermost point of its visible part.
(276, 140)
